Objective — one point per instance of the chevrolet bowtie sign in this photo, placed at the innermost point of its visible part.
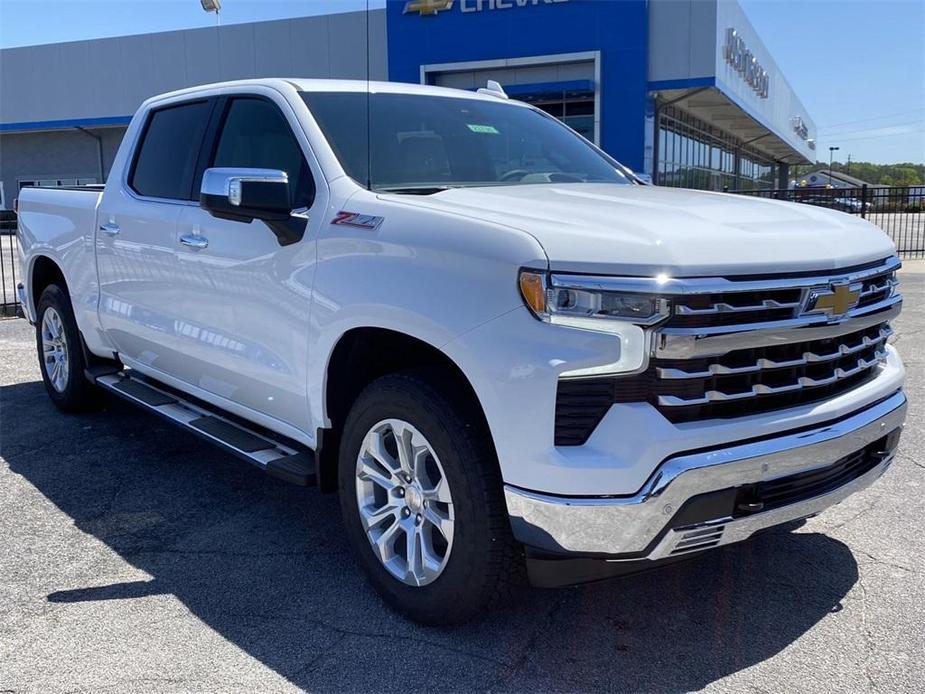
(427, 7)
(430, 8)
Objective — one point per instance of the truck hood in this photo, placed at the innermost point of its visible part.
(645, 230)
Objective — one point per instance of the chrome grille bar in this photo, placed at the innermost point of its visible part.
(763, 389)
(723, 307)
(888, 284)
(692, 343)
(764, 364)
(720, 285)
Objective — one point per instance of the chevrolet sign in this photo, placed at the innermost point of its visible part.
(427, 8)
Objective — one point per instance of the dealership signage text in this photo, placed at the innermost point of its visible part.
(745, 63)
(434, 7)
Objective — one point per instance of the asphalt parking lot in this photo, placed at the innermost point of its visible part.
(136, 558)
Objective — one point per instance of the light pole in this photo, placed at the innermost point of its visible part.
(831, 150)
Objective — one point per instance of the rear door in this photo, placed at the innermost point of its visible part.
(244, 298)
(137, 236)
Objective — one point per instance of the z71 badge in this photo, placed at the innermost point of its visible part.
(355, 219)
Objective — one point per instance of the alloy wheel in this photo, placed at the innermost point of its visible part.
(404, 502)
(55, 350)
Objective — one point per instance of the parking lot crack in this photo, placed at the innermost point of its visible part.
(882, 562)
(410, 639)
(521, 661)
(853, 518)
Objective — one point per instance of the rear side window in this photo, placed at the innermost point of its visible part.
(256, 135)
(166, 158)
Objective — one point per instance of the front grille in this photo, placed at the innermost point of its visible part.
(766, 378)
(733, 306)
(756, 368)
(736, 384)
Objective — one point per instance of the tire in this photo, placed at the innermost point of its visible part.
(58, 341)
(482, 565)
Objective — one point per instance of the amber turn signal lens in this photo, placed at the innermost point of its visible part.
(533, 291)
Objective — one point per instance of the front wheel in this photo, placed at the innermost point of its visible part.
(422, 500)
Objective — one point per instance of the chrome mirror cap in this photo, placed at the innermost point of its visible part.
(228, 181)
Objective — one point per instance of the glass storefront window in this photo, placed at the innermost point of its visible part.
(694, 154)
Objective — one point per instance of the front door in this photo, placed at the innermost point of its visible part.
(244, 298)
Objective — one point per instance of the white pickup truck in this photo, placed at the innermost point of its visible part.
(507, 356)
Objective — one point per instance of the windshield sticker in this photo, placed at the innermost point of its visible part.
(485, 129)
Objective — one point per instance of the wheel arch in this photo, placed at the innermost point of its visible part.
(43, 270)
(360, 356)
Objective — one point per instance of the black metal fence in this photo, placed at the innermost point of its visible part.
(899, 211)
(9, 264)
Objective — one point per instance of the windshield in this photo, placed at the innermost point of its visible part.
(423, 143)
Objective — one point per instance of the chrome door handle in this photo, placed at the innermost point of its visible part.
(110, 228)
(197, 242)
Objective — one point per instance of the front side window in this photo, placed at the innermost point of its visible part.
(166, 158)
(418, 141)
(255, 135)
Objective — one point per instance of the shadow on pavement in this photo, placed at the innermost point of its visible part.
(265, 565)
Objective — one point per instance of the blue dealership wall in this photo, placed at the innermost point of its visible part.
(524, 28)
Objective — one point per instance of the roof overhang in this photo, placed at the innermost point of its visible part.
(67, 124)
(713, 106)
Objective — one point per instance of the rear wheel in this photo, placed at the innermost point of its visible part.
(422, 500)
(61, 357)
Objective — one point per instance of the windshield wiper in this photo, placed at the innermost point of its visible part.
(414, 190)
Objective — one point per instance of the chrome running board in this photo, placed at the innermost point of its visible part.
(287, 461)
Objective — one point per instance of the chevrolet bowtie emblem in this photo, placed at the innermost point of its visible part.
(836, 300)
(427, 7)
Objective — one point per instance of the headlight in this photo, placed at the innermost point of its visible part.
(597, 304)
(576, 300)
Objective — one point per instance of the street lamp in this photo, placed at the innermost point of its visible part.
(831, 150)
(213, 6)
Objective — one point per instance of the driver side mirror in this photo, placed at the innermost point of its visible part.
(243, 195)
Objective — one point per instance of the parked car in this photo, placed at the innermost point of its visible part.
(843, 204)
(851, 205)
(505, 355)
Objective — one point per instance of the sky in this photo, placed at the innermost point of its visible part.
(857, 65)
(859, 68)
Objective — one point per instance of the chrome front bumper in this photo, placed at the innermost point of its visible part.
(641, 526)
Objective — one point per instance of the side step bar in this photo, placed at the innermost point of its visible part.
(281, 460)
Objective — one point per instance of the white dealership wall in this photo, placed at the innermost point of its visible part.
(48, 92)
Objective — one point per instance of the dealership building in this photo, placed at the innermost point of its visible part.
(683, 90)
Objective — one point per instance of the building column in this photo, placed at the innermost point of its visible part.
(783, 175)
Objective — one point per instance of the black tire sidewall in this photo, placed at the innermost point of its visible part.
(464, 586)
